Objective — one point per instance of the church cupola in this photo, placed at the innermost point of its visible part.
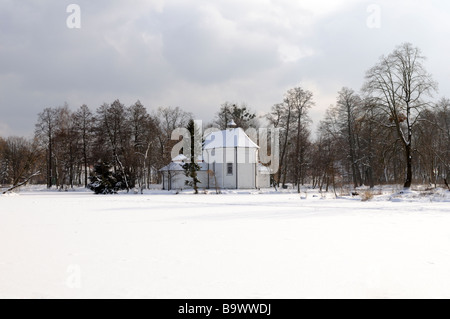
(232, 124)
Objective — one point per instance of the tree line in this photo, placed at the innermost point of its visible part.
(390, 132)
(68, 145)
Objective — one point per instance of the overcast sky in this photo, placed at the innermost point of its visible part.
(197, 54)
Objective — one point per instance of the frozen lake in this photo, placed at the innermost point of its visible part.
(245, 245)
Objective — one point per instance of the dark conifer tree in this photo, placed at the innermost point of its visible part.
(193, 149)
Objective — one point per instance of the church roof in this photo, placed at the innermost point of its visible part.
(229, 138)
(172, 167)
(179, 159)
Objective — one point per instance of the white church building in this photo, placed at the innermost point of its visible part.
(230, 160)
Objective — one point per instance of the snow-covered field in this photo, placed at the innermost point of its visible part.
(235, 245)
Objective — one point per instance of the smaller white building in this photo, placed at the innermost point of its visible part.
(174, 174)
(230, 160)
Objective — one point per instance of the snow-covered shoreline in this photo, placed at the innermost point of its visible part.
(394, 193)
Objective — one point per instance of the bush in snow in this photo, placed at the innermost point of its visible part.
(367, 196)
(104, 181)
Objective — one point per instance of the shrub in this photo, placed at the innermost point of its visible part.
(366, 196)
(104, 181)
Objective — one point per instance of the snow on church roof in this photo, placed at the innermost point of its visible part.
(229, 138)
(179, 159)
(172, 167)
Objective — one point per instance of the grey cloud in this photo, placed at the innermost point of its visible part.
(202, 52)
(198, 54)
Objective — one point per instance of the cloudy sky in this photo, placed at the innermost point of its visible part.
(197, 54)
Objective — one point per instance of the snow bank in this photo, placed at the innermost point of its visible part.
(9, 194)
(391, 193)
(430, 195)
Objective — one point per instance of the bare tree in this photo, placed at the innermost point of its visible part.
(349, 104)
(113, 129)
(291, 117)
(84, 124)
(65, 148)
(301, 101)
(170, 119)
(329, 157)
(152, 156)
(326, 152)
(434, 138)
(45, 132)
(443, 119)
(371, 142)
(401, 85)
(281, 117)
(137, 117)
(3, 162)
(22, 158)
(145, 132)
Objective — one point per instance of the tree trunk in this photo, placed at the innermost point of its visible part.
(408, 149)
(297, 151)
(21, 184)
(283, 153)
(284, 175)
(351, 144)
(409, 174)
(122, 170)
(85, 163)
(50, 162)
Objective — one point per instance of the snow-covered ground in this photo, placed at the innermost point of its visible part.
(236, 245)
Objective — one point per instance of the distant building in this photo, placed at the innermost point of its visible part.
(230, 160)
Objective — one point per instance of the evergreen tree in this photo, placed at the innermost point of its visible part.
(104, 181)
(241, 115)
(193, 151)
